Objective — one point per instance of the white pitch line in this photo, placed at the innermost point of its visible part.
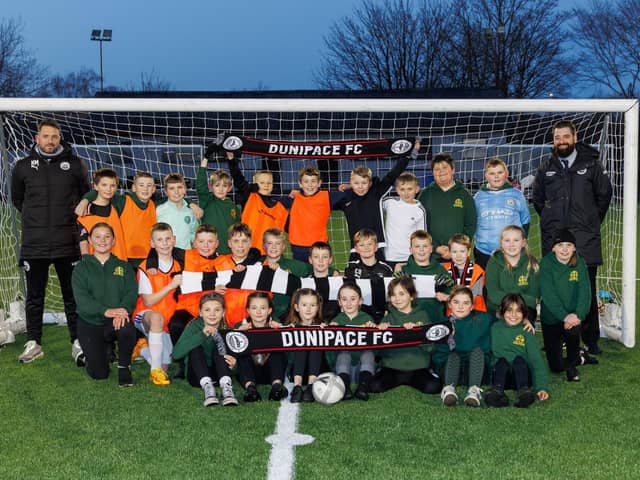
(284, 440)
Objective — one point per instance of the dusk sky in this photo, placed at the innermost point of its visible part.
(194, 45)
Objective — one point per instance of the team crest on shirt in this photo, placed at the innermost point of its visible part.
(187, 219)
(65, 166)
(519, 341)
(510, 202)
(523, 281)
(573, 276)
(458, 203)
(118, 272)
(233, 213)
(35, 164)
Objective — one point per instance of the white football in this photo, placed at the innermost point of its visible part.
(328, 388)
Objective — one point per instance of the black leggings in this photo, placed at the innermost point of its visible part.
(509, 376)
(198, 367)
(554, 336)
(307, 362)
(94, 340)
(273, 369)
(423, 379)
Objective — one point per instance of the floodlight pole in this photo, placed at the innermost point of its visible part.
(496, 37)
(101, 36)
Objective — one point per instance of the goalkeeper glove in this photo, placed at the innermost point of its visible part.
(443, 282)
(215, 146)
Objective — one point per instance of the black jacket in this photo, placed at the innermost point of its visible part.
(577, 199)
(46, 191)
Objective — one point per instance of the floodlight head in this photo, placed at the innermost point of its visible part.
(106, 35)
(95, 34)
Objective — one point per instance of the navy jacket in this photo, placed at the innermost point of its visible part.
(577, 199)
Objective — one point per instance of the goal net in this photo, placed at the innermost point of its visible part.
(170, 135)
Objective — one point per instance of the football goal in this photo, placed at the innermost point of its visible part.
(170, 135)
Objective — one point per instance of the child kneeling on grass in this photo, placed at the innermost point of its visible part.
(468, 347)
(516, 357)
(205, 353)
(566, 299)
(104, 288)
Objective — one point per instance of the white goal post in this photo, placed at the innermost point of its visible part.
(170, 134)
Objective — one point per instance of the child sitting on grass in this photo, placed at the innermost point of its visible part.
(350, 301)
(408, 365)
(516, 357)
(263, 368)
(306, 310)
(468, 348)
(205, 353)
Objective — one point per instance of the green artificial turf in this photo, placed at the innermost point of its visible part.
(58, 423)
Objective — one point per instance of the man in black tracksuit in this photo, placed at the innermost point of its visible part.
(45, 187)
(572, 191)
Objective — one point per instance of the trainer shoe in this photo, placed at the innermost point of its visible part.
(448, 396)
(586, 359)
(524, 398)
(32, 351)
(210, 397)
(77, 354)
(251, 394)
(573, 375)
(296, 394)
(228, 398)
(159, 377)
(125, 379)
(278, 392)
(307, 396)
(496, 397)
(140, 344)
(474, 396)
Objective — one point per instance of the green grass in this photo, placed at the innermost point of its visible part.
(58, 423)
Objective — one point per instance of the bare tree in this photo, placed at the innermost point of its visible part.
(20, 74)
(515, 46)
(608, 37)
(385, 46)
(83, 83)
(149, 82)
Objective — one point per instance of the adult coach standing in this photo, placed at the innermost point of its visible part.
(45, 187)
(572, 191)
